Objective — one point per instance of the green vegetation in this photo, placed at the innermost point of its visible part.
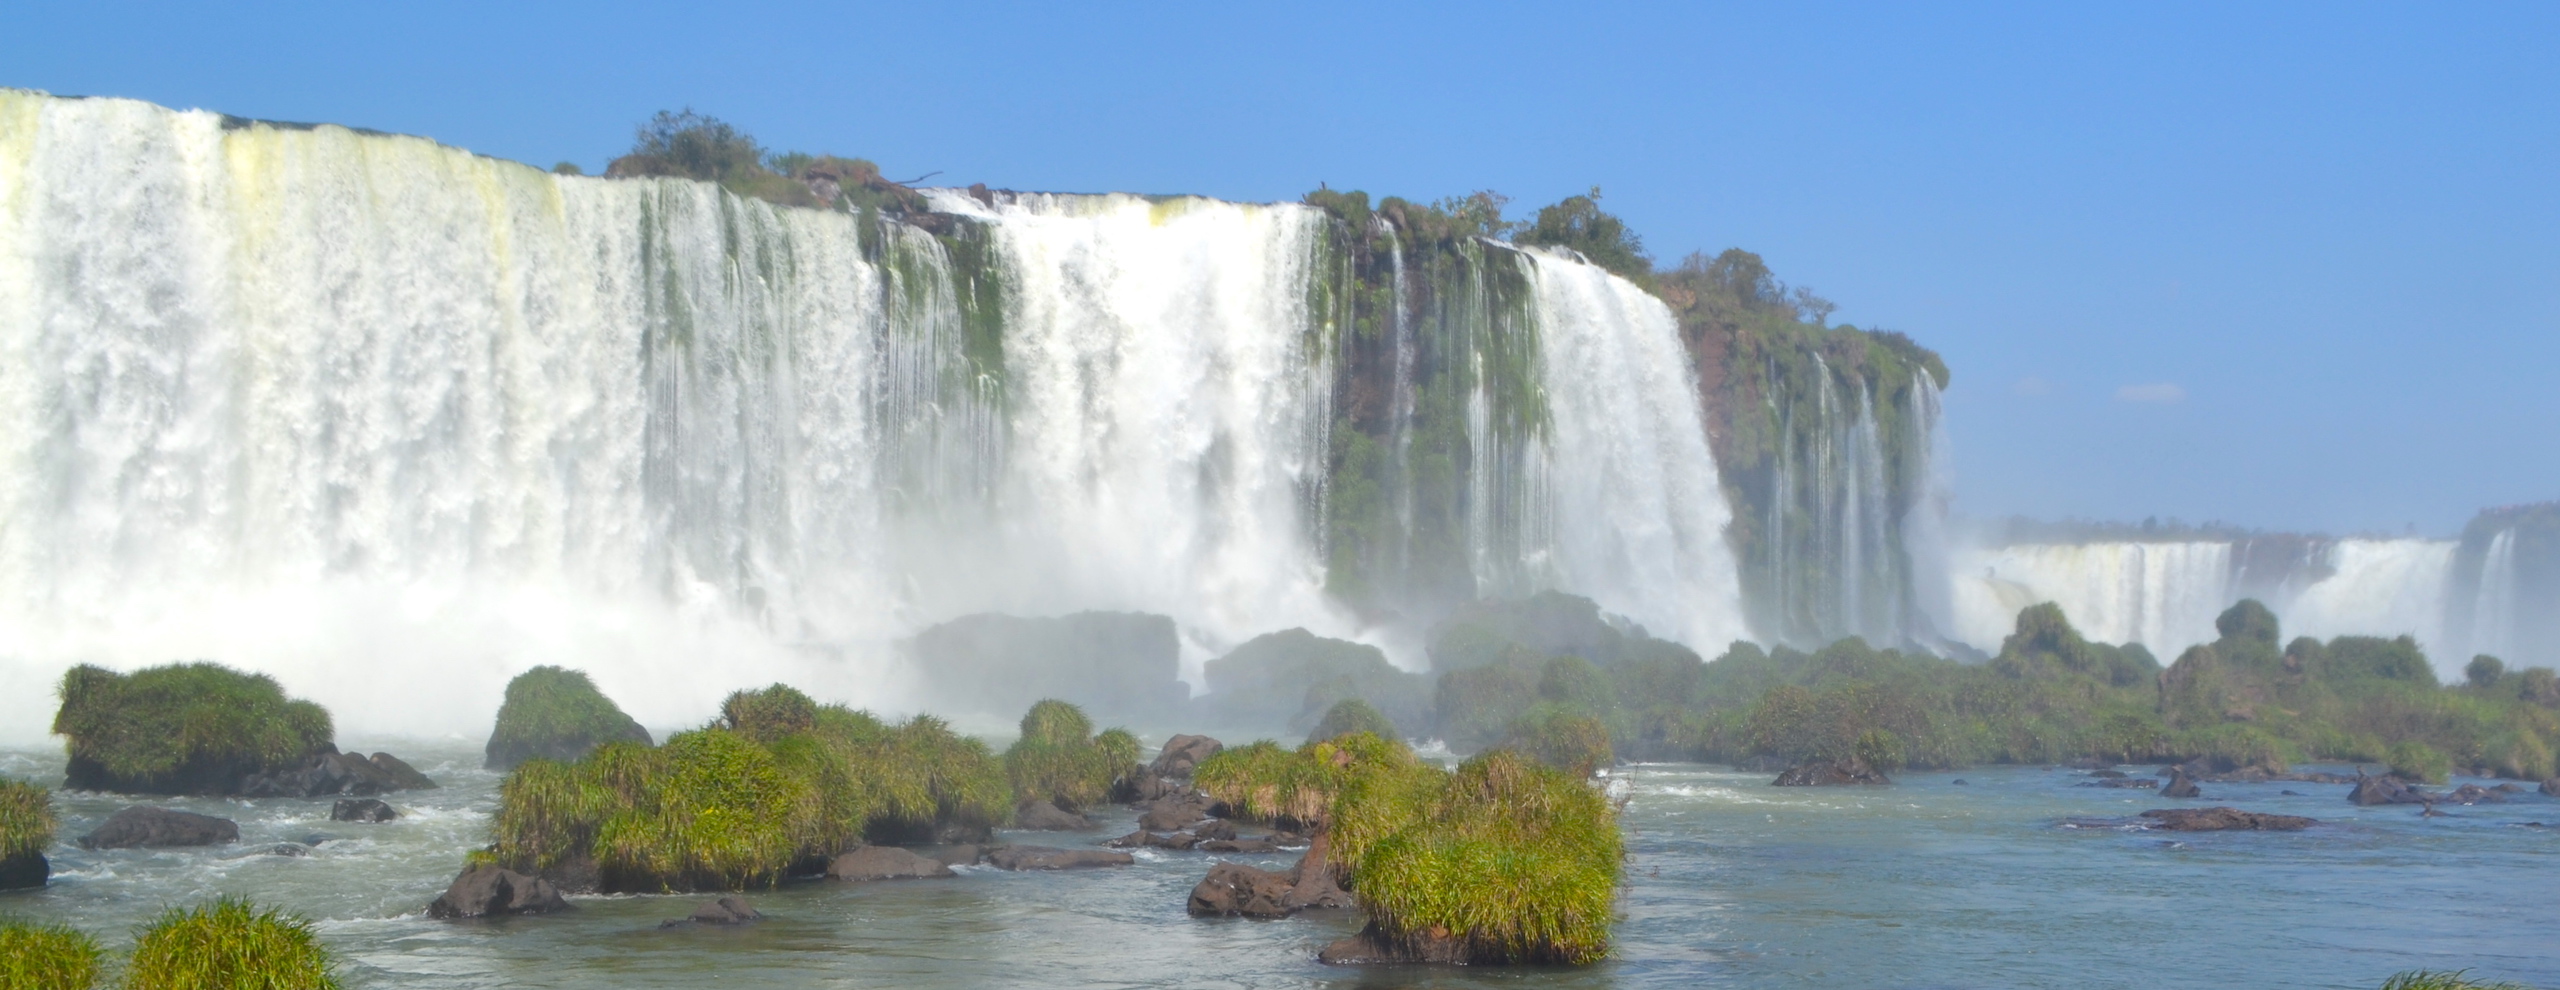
(1353, 715)
(688, 145)
(194, 728)
(1060, 760)
(229, 943)
(26, 819)
(556, 714)
(46, 957)
(1513, 860)
(1289, 679)
(779, 783)
(2422, 979)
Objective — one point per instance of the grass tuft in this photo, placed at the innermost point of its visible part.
(46, 957)
(229, 943)
(182, 727)
(1059, 760)
(26, 818)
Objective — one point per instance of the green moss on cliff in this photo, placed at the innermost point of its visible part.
(192, 728)
(554, 713)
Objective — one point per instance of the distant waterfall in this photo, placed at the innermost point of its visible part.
(393, 421)
(2162, 595)
(1852, 499)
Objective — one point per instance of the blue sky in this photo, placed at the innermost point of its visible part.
(2291, 266)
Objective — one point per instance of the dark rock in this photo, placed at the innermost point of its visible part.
(482, 891)
(888, 863)
(2386, 790)
(2120, 783)
(2551, 787)
(1215, 828)
(372, 810)
(1237, 890)
(2510, 787)
(1245, 846)
(576, 874)
(1315, 884)
(2290, 793)
(2180, 785)
(314, 839)
(1961, 782)
(26, 869)
(1174, 814)
(1041, 816)
(1165, 840)
(953, 854)
(725, 911)
(2472, 794)
(288, 849)
(1832, 773)
(2224, 820)
(406, 777)
(331, 773)
(1045, 858)
(1375, 948)
(141, 827)
(1182, 754)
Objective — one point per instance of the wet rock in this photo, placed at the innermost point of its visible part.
(2180, 785)
(26, 869)
(2510, 787)
(144, 827)
(1041, 816)
(1182, 754)
(331, 773)
(1045, 858)
(1234, 890)
(1832, 773)
(368, 810)
(1315, 886)
(1215, 828)
(1240, 846)
(288, 849)
(483, 891)
(1174, 814)
(725, 911)
(888, 863)
(2386, 790)
(2472, 794)
(1373, 947)
(1961, 782)
(2224, 820)
(404, 776)
(1144, 838)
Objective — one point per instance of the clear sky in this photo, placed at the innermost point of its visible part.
(2291, 266)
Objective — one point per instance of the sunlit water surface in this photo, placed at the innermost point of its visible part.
(1731, 882)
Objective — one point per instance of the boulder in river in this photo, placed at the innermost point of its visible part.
(1042, 816)
(2386, 790)
(2224, 820)
(1832, 773)
(337, 773)
(482, 891)
(555, 713)
(2551, 787)
(2180, 785)
(1182, 754)
(730, 910)
(887, 863)
(1174, 814)
(1234, 890)
(26, 869)
(1045, 858)
(1372, 947)
(367, 810)
(151, 828)
(2472, 794)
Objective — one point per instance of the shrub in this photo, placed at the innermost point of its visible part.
(554, 713)
(182, 728)
(2484, 671)
(714, 812)
(229, 943)
(2232, 747)
(1564, 738)
(2416, 761)
(1516, 861)
(46, 957)
(2520, 755)
(1353, 715)
(770, 714)
(1265, 782)
(26, 819)
(1059, 760)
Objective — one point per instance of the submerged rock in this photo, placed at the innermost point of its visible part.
(1042, 816)
(2121, 783)
(2180, 785)
(482, 891)
(1832, 773)
(1045, 858)
(26, 869)
(144, 827)
(2472, 794)
(888, 863)
(1373, 947)
(724, 911)
(2224, 820)
(367, 810)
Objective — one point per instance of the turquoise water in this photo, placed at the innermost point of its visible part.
(1731, 882)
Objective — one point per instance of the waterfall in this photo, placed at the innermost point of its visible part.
(2493, 607)
(1846, 486)
(393, 421)
(2379, 588)
(2162, 595)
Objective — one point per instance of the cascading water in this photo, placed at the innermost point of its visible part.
(2162, 595)
(1853, 505)
(394, 421)
(2378, 588)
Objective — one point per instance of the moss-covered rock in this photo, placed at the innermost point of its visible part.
(27, 825)
(229, 943)
(46, 957)
(195, 728)
(553, 713)
(1353, 715)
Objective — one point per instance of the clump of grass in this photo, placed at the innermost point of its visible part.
(778, 782)
(1353, 715)
(1517, 861)
(1568, 740)
(46, 957)
(2416, 761)
(182, 728)
(2424, 979)
(26, 819)
(1059, 760)
(557, 714)
(1265, 782)
(229, 942)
